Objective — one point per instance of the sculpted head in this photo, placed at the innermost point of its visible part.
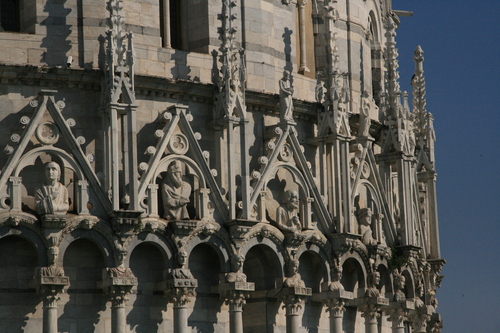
(286, 74)
(375, 279)
(238, 260)
(52, 171)
(52, 254)
(120, 256)
(291, 199)
(365, 216)
(182, 258)
(175, 173)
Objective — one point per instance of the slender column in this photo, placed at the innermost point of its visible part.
(118, 315)
(302, 36)
(50, 299)
(83, 197)
(180, 314)
(166, 23)
(397, 317)
(336, 309)
(293, 304)
(236, 302)
(371, 313)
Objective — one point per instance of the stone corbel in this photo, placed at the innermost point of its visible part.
(125, 222)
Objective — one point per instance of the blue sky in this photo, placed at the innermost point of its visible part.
(461, 43)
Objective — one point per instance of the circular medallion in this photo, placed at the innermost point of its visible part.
(178, 144)
(47, 133)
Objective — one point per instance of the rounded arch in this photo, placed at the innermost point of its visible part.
(321, 254)
(35, 239)
(313, 270)
(263, 265)
(409, 288)
(373, 195)
(193, 168)
(216, 243)
(386, 281)
(30, 159)
(354, 274)
(373, 26)
(92, 235)
(160, 243)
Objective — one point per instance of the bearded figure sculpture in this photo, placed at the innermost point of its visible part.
(287, 214)
(175, 193)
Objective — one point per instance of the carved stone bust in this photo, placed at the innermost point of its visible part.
(52, 197)
(373, 291)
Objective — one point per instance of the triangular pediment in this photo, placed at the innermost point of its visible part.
(286, 155)
(47, 137)
(178, 142)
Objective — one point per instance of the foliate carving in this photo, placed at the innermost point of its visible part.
(335, 307)
(175, 193)
(371, 312)
(52, 198)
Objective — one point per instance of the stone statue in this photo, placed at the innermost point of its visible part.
(367, 104)
(287, 214)
(365, 229)
(373, 291)
(120, 270)
(52, 269)
(294, 280)
(286, 92)
(175, 193)
(52, 198)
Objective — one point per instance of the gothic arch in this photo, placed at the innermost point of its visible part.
(354, 272)
(321, 253)
(298, 178)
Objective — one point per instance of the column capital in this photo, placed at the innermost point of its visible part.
(180, 287)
